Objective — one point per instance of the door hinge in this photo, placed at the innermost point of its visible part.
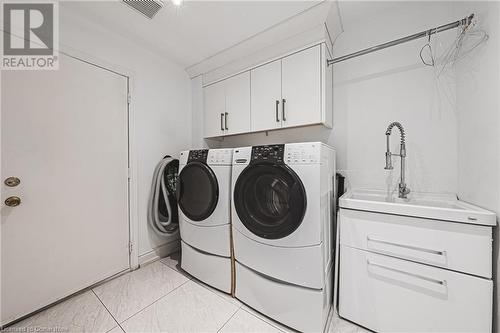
(129, 173)
(129, 98)
(130, 247)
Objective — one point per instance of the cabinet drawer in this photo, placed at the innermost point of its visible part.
(211, 269)
(460, 247)
(303, 309)
(387, 294)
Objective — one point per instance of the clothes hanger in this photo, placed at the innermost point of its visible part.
(429, 48)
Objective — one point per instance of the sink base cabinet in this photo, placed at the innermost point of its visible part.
(459, 247)
(408, 274)
(386, 294)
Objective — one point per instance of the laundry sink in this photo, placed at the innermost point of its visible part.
(445, 207)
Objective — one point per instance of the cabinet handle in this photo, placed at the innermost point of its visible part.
(225, 120)
(417, 276)
(277, 111)
(411, 247)
(283, 109)
(222, 121)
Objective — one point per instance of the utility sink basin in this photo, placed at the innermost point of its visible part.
(444, 207)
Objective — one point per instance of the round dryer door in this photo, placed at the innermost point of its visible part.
(198, 191)
(270, 200)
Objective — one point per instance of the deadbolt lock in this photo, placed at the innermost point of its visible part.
(12, 181)
(13, 201)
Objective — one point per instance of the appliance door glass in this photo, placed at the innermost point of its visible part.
(198, 191)
(270, 200)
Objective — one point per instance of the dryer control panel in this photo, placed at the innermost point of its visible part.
(220, 157)
(270, 153)
(199, 155)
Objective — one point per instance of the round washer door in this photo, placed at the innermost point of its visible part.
(197, 191)
(270, 200)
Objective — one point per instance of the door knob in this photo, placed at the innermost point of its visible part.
(13, 201)
(12, 181)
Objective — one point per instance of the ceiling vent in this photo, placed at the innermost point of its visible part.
(148, 8)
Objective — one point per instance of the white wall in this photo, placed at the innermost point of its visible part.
(198, 117)
(478, 109)
(376, 89)
(160, 109)
(393, 85)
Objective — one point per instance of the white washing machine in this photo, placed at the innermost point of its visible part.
(282, 215)
(203, 195)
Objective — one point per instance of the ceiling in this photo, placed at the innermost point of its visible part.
(354, 11)
(192, 32)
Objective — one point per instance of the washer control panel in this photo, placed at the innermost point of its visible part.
(269, 153)
(242, 155)
(303, 153)
(199, 155)
(220, 156)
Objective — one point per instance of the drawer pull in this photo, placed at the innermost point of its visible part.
(411, 247)
(418, 276)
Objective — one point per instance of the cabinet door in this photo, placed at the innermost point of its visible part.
(214, 109)
(301, 88)
(237, 117)
(266, 96)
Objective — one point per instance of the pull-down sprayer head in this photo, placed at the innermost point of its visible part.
(388, 155)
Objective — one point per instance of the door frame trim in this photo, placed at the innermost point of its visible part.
(133, 214)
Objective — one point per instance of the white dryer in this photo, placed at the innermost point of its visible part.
(282, 215)
(203, 195)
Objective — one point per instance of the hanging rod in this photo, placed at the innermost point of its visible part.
(463, 22)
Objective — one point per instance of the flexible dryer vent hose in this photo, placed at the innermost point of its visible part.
(162, 205)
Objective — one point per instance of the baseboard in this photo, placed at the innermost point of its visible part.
(160, 252)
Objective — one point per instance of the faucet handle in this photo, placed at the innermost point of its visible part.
(388, 161)
(403, 191)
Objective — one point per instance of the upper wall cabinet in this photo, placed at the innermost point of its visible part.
(227, 106)
(301, 88)
(266, 96)
(215, 108)
(295, 90)
(238, 104)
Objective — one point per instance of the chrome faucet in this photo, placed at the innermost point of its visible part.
(403, 190)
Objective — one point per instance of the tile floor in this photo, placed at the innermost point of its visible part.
(158, 297)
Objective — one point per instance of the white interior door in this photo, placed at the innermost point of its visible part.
(266, 96)
(64, 135)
